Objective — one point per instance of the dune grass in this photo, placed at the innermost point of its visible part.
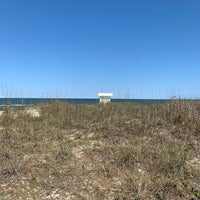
(115, 151)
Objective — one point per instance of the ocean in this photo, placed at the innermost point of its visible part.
(29, 101)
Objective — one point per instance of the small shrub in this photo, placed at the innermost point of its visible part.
(127, 157)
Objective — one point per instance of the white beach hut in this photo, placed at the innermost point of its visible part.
(104, 97)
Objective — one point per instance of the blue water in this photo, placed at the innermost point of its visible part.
(29, 101)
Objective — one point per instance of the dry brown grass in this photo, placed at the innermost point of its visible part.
(114, 151)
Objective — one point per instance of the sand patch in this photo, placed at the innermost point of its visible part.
(1, 113)
(78, 151)
(33, 112)
(194, 163)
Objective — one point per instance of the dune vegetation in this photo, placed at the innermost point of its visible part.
(115, 151)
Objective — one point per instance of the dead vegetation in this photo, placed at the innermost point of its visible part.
(114, 151)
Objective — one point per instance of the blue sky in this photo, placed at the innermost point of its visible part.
(76, 48)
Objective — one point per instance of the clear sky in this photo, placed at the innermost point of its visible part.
(77, 48)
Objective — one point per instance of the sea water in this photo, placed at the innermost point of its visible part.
(29, 101)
